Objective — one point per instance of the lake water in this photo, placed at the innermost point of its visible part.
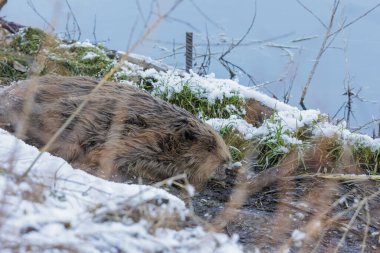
(278, 53)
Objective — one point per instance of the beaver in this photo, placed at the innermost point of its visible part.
(121, 132)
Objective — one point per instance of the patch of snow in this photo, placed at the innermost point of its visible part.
(90, 56)
(71, 210)
(190, 190)
(85, 43)
(236, 165)
(345, 136)
(298, 236)
(247, 130)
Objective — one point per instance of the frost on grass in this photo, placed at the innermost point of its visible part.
(58, 208)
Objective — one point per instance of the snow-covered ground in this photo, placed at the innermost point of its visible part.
(58, 207)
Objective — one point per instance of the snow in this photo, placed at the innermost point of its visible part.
(58, 207)
(247, 130)
(85, 43)
(89, 56)
(344, 135)
(298, 236)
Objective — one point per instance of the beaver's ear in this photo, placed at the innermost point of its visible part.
(180, 123)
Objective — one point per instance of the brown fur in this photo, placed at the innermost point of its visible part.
(256, 112)
(122, 131)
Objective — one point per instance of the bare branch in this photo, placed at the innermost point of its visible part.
(312, 13)
(169, 18)
(320, 53)
(205, 15)
(205, 65)
(94, 31)
(356, 19)
(141, 13)
(227, 64)
(31, 5)
(74, 19)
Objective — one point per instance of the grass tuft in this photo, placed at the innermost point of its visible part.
(79, 60)
(198, 104)
(239, 147)
(367, 158)
(29, 41)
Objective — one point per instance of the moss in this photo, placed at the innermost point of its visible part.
(29, 41)
(199, 105)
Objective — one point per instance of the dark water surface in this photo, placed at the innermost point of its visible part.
(272, 52)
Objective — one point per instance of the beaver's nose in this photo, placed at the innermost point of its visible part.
(235, 165)
(220, 172)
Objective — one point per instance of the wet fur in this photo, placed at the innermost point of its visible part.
(121, 132)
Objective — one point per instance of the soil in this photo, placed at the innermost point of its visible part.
(267, 219)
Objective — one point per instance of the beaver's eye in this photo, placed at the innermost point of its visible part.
(189, 135)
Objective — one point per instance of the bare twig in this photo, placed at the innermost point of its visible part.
(205, 65)
(312, 13)
(178, 20)
(368, 222)
(33, 7)
(349, 226)
(141, 13)
(205, 15)
(323, 48)
(75, 21)
(355, 19)
(94, 31)
(357, 129)
(229, 65)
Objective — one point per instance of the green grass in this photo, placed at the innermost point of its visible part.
(198, 104)
(72, 61)
(29, 41)
(238, 146)
(8, 73)
(367, 158)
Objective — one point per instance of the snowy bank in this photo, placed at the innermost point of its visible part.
(286, 118)
(57, 208)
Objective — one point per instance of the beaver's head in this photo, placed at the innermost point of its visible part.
(203, 152)
(194, 148)
(172, 147)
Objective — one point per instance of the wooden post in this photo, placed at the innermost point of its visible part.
(189, 51)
